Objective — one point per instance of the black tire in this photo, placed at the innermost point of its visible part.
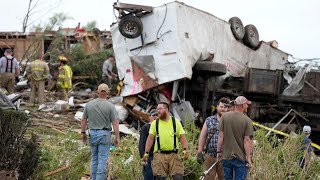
(251, 36)
(237, 28)
(210, 68)
(130, 26)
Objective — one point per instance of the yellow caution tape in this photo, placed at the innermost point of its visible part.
(280, 132)
(213, 108)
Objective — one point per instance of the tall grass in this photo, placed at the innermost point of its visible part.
(279, 159)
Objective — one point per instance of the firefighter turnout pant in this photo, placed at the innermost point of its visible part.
(217, 170)
(165, 165)
(37, 90)
(8, 81)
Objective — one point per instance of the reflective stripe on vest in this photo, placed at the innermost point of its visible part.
(35, 66)
(65, 80)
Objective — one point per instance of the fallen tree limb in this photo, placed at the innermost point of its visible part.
(56, 171)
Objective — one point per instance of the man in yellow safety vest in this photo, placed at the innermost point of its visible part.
(64, 81)
(37, 73)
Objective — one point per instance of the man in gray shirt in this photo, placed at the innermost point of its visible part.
(107, 74)
(234, 142)
(100, 114)
(9, 70)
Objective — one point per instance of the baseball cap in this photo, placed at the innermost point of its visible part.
(103, 87)
(306, 129)
(153, 112)
(231, 103)
(241, 100)
(8, 51)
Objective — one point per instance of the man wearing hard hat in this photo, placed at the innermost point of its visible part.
(64, 81)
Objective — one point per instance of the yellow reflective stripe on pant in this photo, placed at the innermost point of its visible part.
(36, 69)
(65, 80)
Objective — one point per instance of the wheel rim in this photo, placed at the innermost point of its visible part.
(130, 28)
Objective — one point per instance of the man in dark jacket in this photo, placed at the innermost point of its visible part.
(144, 132)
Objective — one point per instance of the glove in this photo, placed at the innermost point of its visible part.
(144, 160)
(186, 154)
(200, 158)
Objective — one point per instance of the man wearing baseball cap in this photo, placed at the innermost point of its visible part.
(100, 114)
(234, 142)
(307, 149)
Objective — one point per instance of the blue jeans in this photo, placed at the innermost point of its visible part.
(147, 170)
(236, 166)
(100, 147)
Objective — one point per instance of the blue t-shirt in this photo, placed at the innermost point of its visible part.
(4, 63)
(307, 144)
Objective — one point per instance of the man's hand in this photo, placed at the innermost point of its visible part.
(116, 141)
(84, 137)
(186, 154)
(249, 163)
(219, 156)
(144, 160)
(200, 158)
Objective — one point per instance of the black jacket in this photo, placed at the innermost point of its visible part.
(144, 132)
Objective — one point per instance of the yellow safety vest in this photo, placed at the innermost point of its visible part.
(65, 80)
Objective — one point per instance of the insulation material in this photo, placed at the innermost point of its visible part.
(297, 82)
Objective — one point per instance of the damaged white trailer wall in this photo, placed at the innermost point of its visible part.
(175, 37)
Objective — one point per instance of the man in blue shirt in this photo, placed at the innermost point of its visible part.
(307, 149)
(209, 140)
(9, 70)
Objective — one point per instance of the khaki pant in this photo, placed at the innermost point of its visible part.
(8, 81)
(164, 165)
(37, 90)
(216, 170)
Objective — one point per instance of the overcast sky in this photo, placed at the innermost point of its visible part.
(293, 23)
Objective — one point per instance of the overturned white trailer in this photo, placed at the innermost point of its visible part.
(208, 58)
(157, 45)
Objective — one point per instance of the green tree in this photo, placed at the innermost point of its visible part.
(90, 25)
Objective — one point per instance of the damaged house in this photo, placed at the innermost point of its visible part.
(27, 45)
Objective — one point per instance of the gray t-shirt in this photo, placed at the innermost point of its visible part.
(100, 114)
(235, 125)
(3, 64)
(107, 68)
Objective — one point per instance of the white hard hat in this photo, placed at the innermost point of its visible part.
(306, 129)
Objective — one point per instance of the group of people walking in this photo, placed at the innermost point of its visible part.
(225, 143)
